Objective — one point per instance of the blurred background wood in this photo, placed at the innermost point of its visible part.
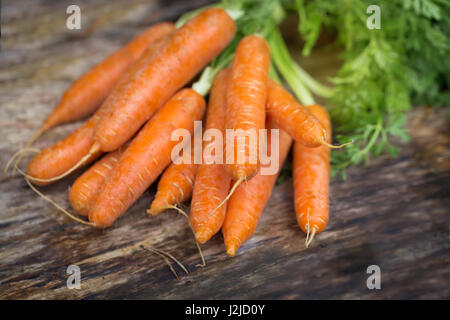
(393, 213)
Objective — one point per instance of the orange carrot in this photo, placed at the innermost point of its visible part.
(145, 158)
(212, 182)
(291, 116)
(246, 100)
(311, 173)
(88, 92)
(248, 201)
(174, 187)
(62, 157)
(128, 75)
(187, 51)
(87, 185)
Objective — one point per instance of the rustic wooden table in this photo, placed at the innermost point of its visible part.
(393, 213)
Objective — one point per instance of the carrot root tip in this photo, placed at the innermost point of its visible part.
(16, 155)
(310, 237)
(57, 206)
(336, 147)
(166, 256)
(203, 264)
(28, 144)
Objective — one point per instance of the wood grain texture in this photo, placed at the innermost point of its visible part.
(393, 213)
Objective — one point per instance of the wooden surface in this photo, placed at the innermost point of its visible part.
(393, 213)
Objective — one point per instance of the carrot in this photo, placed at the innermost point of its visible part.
(311, 173)
(174, 187)
(128, 75)
(187, 51)
(145, 158)
(88, 92)
(246, 100)
(65, 156)
(87, 185)
(248, 201)
(212, 182)
(291, 116)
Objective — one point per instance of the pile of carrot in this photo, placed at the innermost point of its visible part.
(138, 96)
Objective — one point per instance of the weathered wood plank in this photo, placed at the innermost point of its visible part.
(393, 213)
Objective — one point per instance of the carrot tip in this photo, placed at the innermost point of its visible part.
(153, 211)
(27, 146)
(17, 156)
(232, 245)
(202, 236)
(231, 251)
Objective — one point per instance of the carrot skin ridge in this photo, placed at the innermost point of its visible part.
(186, 52)
(212, 182)
(311, 176)
(148, 154)
(248, 201)
(284, 110)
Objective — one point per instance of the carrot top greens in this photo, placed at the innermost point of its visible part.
(385, 70)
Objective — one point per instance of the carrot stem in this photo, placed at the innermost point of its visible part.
(284, 63)
(298, 79)
(203, 85)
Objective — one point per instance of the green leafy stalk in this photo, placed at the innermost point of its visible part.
(203, 85)
(284, 63)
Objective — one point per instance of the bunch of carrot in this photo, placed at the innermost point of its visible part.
(136, 100)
